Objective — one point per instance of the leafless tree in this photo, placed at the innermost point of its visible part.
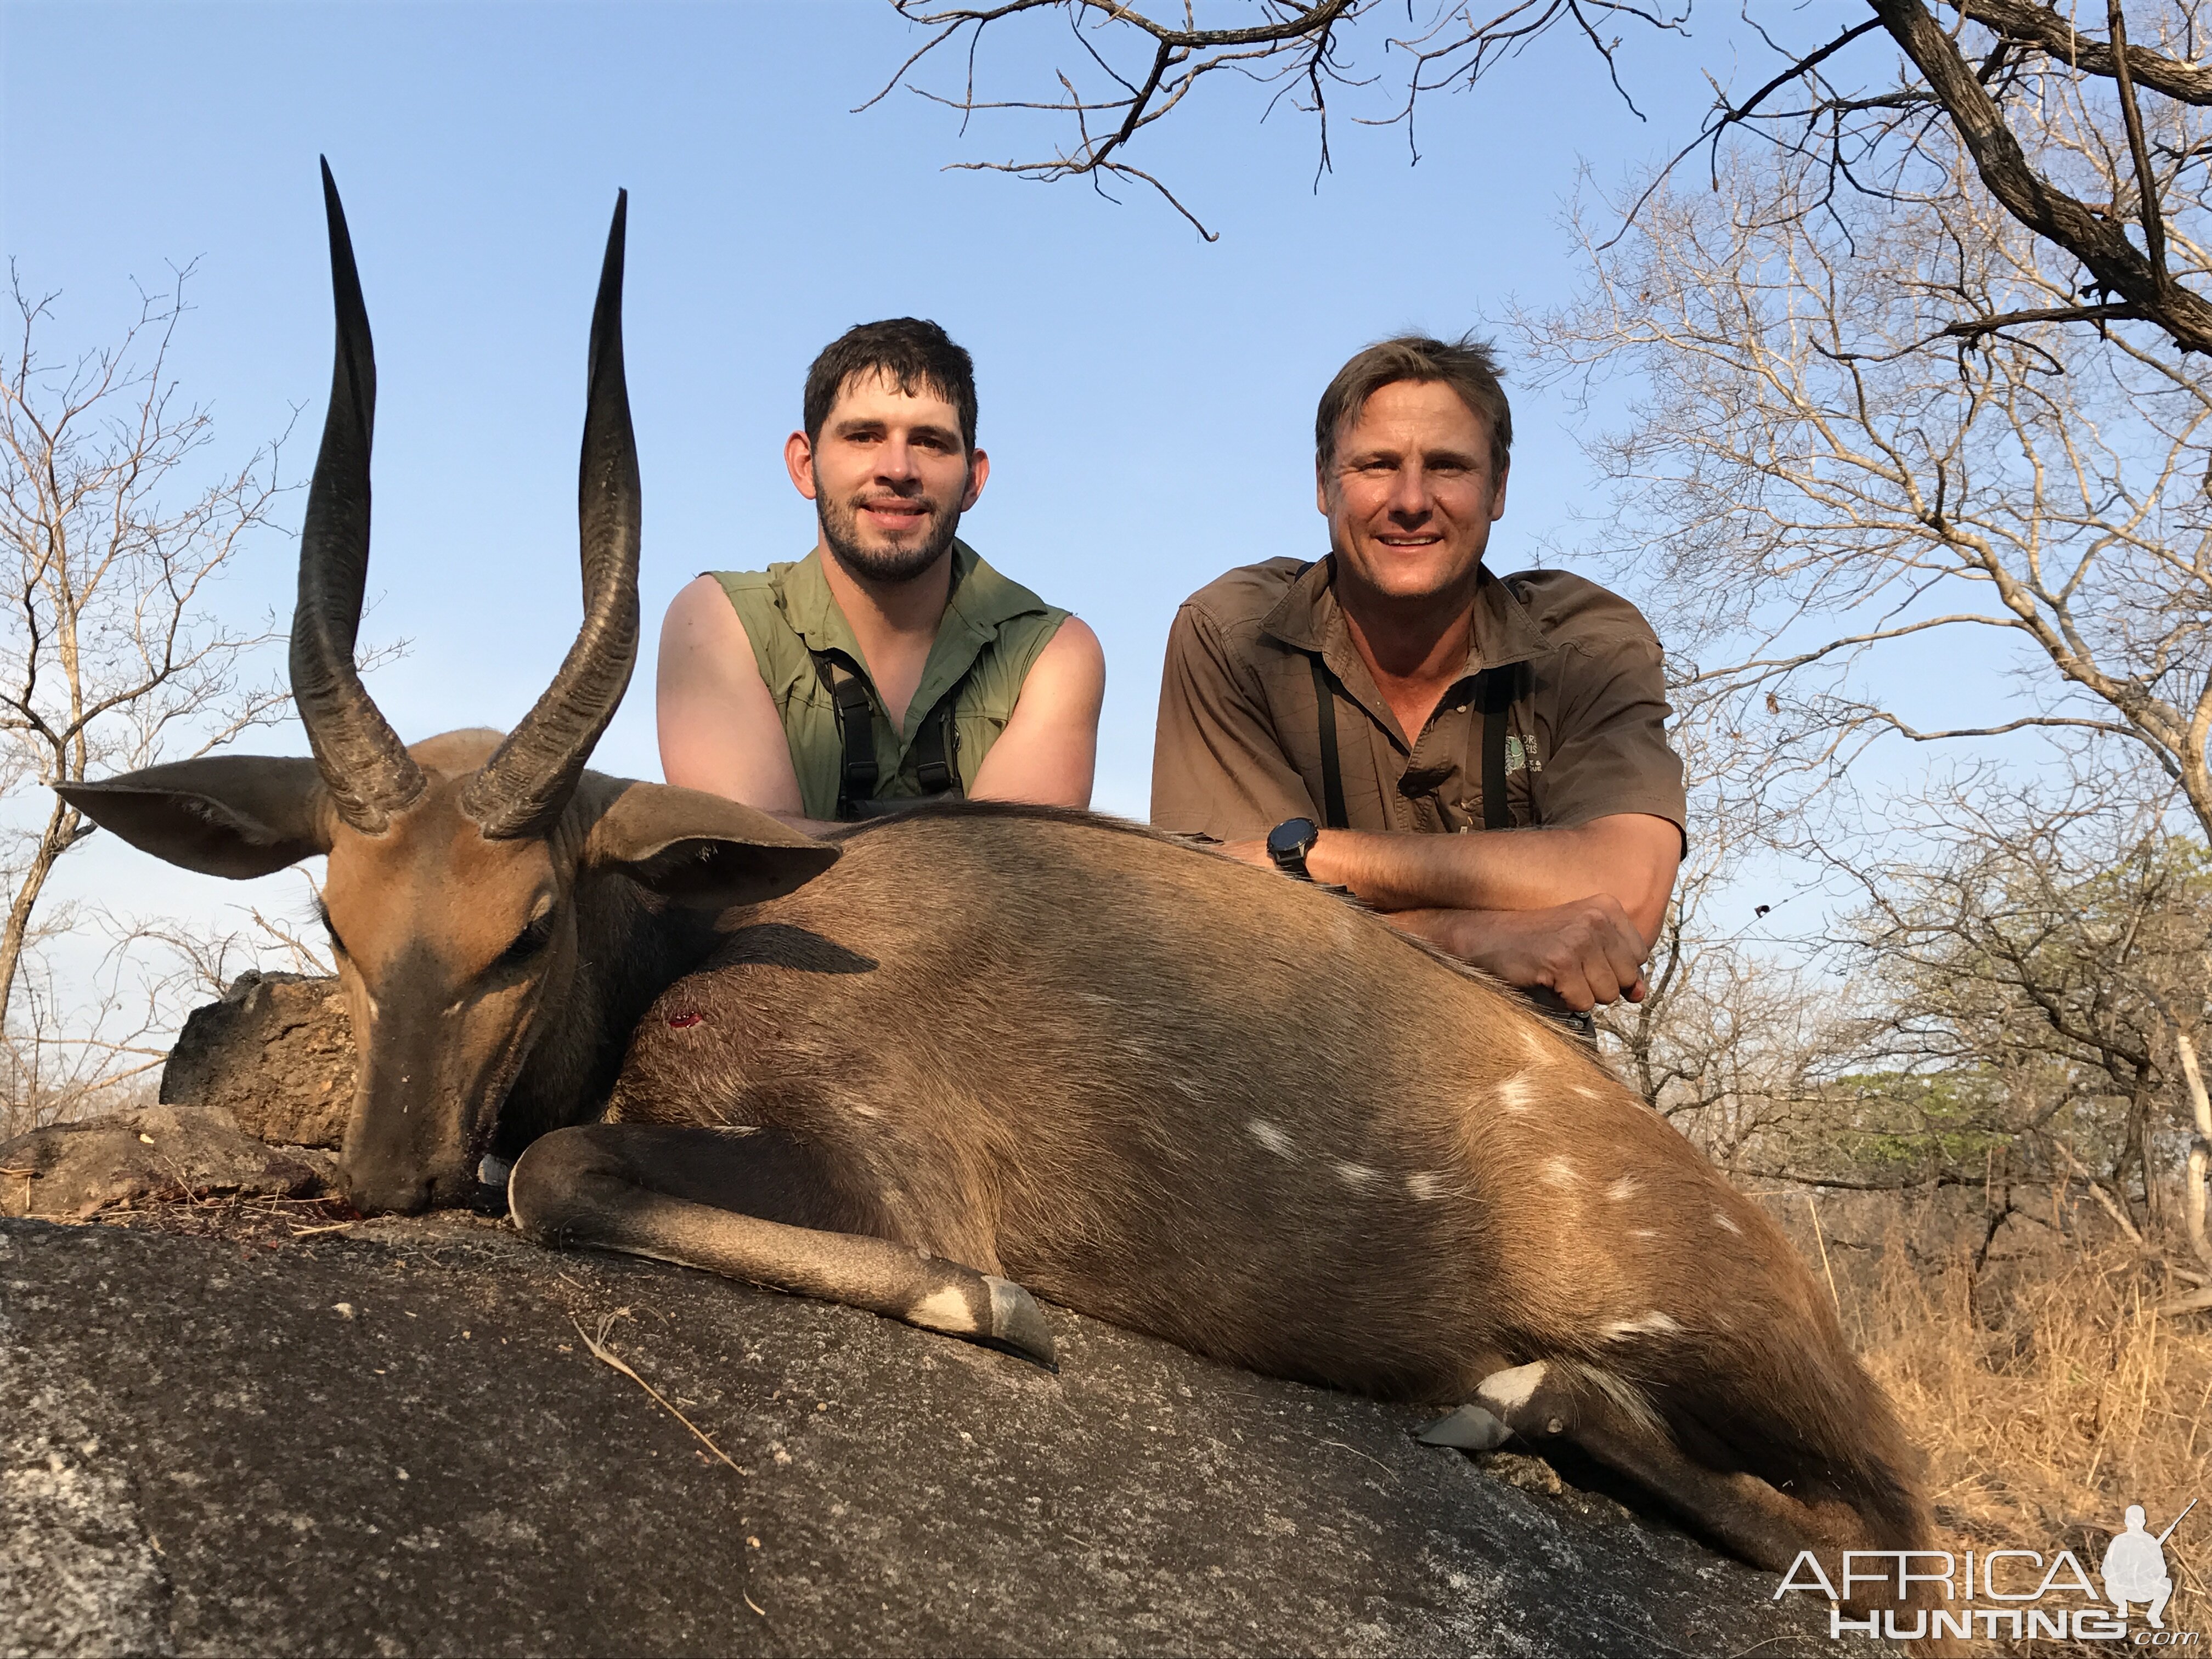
(1127, 69)
(1866, 98)
(2045, 952)
(115, 523)
(1816, 503)
(1736, 1040)
(1803, 492)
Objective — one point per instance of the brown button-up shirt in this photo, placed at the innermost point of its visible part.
(1239, 750)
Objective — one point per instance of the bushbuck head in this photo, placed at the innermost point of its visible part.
(459, 870)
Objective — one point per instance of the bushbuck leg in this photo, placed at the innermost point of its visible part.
(1542, 1403)
(757, 1205)
(1545, 1403)
(762, 1205)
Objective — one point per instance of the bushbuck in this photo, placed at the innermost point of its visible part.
(942, 1057)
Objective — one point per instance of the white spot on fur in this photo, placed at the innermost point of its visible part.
(1270, 1137)
(1557, 1172)
(1585, 1092)
(943, 1311)
(1426, 1185)
(1654, 1323)
(1514, 1094)
(1721, 1217)
(1511, 1388)
(1532, 1046)
(1622, 1190)
(1641, 1232)
(1358, 1175)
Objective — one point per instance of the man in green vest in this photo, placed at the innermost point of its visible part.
(890, 665)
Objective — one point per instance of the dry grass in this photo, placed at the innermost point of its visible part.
(2050, 1392)
(246, 1219)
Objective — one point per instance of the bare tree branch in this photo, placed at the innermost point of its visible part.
(2049, 32)
(112, 537)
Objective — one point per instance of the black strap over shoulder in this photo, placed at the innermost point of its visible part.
(1332, 767)
(934, 745)
(1493, 698)
(849, 695)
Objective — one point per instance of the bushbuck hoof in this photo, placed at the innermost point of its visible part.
(1470, 1428)
(1017, 1323)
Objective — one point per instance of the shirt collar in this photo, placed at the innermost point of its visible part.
(1309, 618)
(981, 601)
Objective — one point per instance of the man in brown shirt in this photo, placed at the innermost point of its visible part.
(1370, 720)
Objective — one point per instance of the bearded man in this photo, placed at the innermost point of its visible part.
(890, 665)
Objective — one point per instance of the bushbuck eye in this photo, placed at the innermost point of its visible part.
(336, 943)
(530, 941)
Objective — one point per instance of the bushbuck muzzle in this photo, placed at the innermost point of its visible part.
(495, 911)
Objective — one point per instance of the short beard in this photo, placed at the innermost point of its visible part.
(841, 534)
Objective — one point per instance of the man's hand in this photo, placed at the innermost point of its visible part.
(1585, 952)
(1499, 900)
(1632, 857)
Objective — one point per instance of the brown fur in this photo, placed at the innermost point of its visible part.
(1142, 1079)
(1196, 1099)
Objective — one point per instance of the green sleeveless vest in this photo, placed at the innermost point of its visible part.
(993, 632)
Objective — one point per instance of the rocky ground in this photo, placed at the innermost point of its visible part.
(239, 1426)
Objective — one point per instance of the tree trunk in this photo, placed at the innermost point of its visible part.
(61, 833)
(2200, 1145)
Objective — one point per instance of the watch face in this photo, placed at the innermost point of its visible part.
(1290, 838)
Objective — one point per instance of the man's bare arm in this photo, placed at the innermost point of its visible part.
(1583, 952)
(720, 731)
(1628, 857)
(718, 728)
(1575, 912)
(1049, 750)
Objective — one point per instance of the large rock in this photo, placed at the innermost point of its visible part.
(73, 1169)
(393, 1438)
(277, 1053)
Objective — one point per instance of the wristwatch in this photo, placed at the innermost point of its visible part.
(1289, 843)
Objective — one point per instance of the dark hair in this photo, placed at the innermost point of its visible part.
(1468, 366)
(911, 352)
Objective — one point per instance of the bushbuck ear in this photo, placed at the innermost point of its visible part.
(230, 815)
(702, 849)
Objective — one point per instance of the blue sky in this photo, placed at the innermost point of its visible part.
(1146, 397)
